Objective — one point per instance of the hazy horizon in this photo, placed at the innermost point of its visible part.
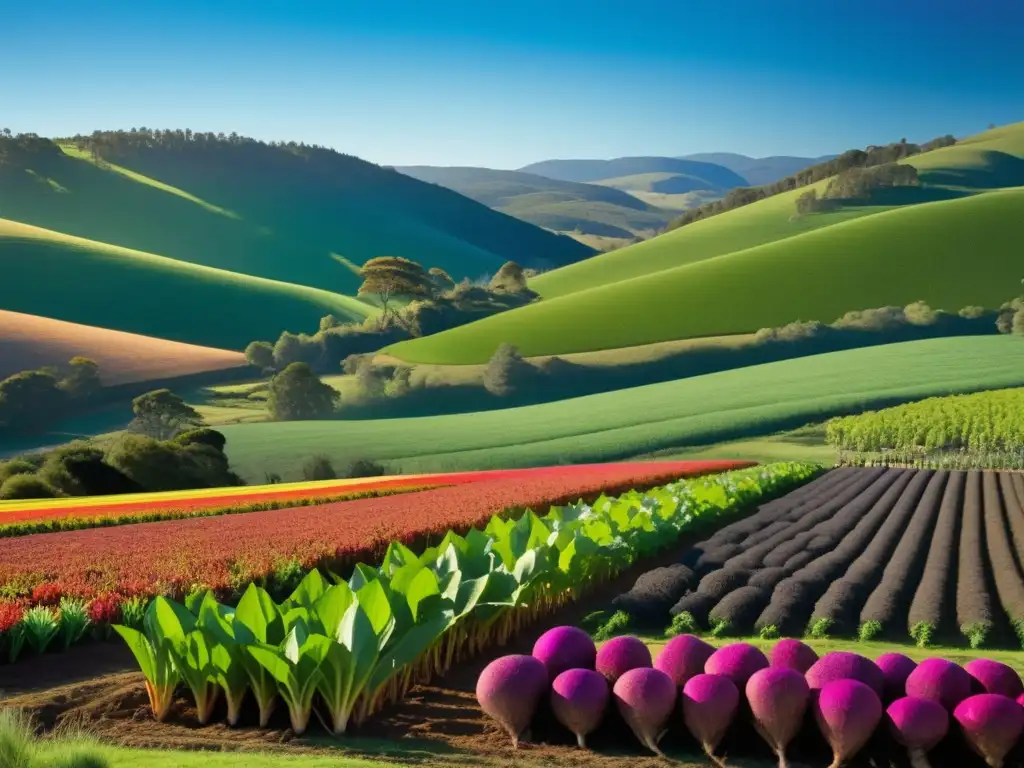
(456, 84)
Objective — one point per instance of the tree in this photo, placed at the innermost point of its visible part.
(318, 468)
(509, 278)
(506, 371)
(392, 276)
(1018, 323)
(296, 393)
(83, 379)
(161, 414)
(440, 280)
(260, 354)
(30, 399)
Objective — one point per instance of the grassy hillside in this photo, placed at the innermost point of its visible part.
(270, 211)
(710, 175)
(83, 281)
(758, 170)
(750, 401)
(666, 183)
(28, 342)
(950, 254)
(562, 206)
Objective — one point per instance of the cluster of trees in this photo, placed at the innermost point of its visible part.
(433, 302)
(857, 184)
(135, 463)
(854, 158)
(30, 401)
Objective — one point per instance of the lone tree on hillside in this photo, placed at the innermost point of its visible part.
(260, 354)
(161, 414)
(83, 379)
(393, 276)
(509, 278)
(506, 371)
(297, 393)
(440, 280)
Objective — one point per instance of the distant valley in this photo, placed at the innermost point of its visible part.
(609, 203)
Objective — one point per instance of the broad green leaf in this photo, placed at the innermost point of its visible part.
(331, 607)
(167, 619)
(258, 612)
(195, 600)
(407, 650)
(274, 661)
(374, 601)
(361, 576)
(310, 589)
(423, 585)
(141, 648)
(293, 616)
(469, 595)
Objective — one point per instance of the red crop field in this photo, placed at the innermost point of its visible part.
(175, 556)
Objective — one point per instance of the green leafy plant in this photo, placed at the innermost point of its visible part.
(152, 648)
(869, 630)
(720, 627)
(922, 633)
(683, 624)
(976, 633)
(769, 632)
(133, 611)
(295, 665)
(819, 629)
(41, 625)
(74, 620)
(618, 624)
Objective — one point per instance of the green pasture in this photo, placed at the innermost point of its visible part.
(950, 254)
(746, 402)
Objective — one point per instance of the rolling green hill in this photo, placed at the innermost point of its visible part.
(666, 183)
(757, 400)
(707, 175)
(82, 281)
(561, 206)
(950, 242)
(272, 211)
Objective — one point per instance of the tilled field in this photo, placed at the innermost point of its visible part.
(883, 553)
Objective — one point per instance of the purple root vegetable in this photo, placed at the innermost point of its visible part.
(843, 665)
(991, 724)
(1020, 699)
(896, 668)
(683, 657)
(940, 680)
(565, 648)
(579, 698)
(847, 713)
(509, 689)
(919, 725)
(793, 654)
(621, 654)
(995, 677)
(646, 698)
(710, 703)
(778, 698)
(738, 662)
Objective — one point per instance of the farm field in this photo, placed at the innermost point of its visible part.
(753, 401)
(28, 342)
(719, 268)
(914, 556)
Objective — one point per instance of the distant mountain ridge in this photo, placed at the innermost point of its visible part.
(758, 170)
(710, 176)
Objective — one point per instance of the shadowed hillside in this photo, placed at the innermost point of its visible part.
(758, 170)
(272, 211)
(711, 176)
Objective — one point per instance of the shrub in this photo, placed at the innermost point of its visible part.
(922, 633)
(16, 467)
(260, 354)
(27, 487)
(297, 393)
(868, 630)
(618, 624)
(769, 632)
(683, 624)
(819, 629)
(318, 468)
(506, 371)
(366, 468)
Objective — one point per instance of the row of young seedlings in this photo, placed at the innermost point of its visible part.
(859, 553)
(848, 695)
(359, 644)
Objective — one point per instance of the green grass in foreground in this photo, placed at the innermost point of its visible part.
(758, 400)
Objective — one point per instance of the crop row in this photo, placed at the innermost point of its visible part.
(360, 643)
(175, 558)
(985, 421)
(872, 552)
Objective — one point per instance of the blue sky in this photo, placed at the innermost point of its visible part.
(502, 84)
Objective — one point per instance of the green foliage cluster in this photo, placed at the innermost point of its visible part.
(21, 748)
(984, 421)
(852, 159)
(296, 393)
(617, 624)
(134, 463)
(30, 401)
